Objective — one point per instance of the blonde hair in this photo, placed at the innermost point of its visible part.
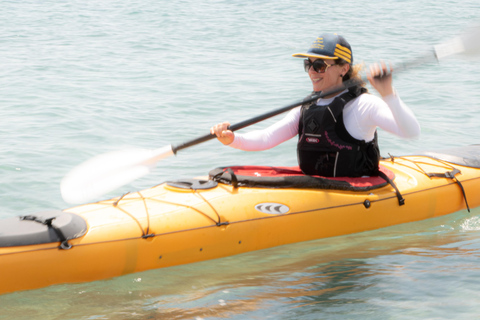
(354, 73)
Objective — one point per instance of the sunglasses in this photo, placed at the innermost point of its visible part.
(318, 65)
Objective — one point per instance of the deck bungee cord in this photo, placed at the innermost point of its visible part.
(451, 174)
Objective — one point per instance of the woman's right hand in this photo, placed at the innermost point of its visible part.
(381, 79)
(224, 135)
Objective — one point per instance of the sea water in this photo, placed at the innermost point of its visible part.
(80, 78)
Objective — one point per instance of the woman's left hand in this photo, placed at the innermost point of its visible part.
(381, 79)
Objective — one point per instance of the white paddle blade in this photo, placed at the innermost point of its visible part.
(471, 40)
(109, 171)
(468, 43)
(449, 48)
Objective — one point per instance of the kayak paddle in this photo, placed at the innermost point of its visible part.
(109, 171)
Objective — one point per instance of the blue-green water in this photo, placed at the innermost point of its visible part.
(80, 78)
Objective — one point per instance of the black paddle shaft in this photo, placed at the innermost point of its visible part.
(345, 85)
(427, 57)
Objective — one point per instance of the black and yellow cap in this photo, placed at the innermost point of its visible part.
(329, 46)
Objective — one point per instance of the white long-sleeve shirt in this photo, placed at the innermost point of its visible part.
(361, 116)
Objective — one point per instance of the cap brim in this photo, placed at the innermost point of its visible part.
(312, 55)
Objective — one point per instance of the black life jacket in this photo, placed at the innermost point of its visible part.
(325, 147)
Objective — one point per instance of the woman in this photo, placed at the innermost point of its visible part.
(337, 133)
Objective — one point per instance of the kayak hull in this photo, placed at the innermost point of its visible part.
(167, 226)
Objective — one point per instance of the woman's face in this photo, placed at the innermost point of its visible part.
(330, 78)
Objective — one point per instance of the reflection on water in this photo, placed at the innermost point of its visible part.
(383, 271)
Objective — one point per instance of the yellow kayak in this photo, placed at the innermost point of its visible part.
(228, 213)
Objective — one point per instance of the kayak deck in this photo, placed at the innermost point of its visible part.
(171, 225)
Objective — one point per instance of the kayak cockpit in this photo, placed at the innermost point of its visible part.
(293, 177)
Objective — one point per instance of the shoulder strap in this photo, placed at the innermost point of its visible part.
(344, 98)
